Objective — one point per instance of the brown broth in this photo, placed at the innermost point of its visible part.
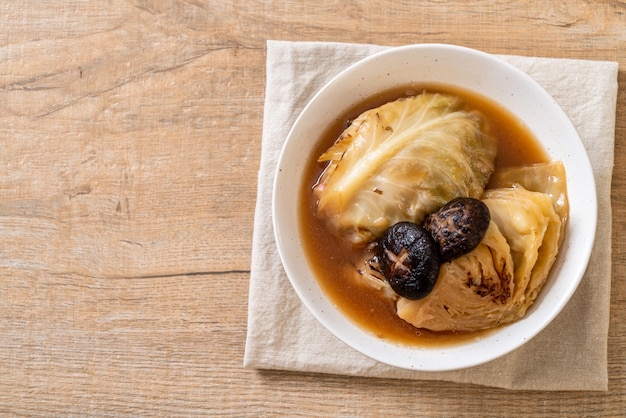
(333, 260)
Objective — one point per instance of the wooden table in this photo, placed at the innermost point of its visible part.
(130, 134)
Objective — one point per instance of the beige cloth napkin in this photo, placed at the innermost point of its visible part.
(571, 354)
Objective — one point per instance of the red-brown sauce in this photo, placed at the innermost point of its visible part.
(333, 259)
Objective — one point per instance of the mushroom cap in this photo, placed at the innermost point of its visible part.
(458, 227)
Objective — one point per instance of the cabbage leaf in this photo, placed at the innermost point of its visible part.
(400, 162)
(497, 282)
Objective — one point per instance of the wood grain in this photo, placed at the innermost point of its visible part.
(129, 146)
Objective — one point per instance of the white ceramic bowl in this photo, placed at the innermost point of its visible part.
(504, 84)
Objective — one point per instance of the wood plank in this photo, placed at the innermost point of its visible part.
(129, 147)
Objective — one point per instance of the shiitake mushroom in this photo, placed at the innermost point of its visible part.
(409, 255)
(458, 227)
(408, 258)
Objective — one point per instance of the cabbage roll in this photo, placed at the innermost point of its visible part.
(400, 162)
(548, 178)
(472, 291)
(498, 281)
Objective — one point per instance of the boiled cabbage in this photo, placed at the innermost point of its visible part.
(400, 162)
(548, 178)
(472, 292)
(497, 282)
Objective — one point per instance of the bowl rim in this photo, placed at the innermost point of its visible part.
(443, 358)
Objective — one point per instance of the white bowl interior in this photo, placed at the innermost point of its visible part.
(486, 75)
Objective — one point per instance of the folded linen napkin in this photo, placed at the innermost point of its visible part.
(570, 354)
